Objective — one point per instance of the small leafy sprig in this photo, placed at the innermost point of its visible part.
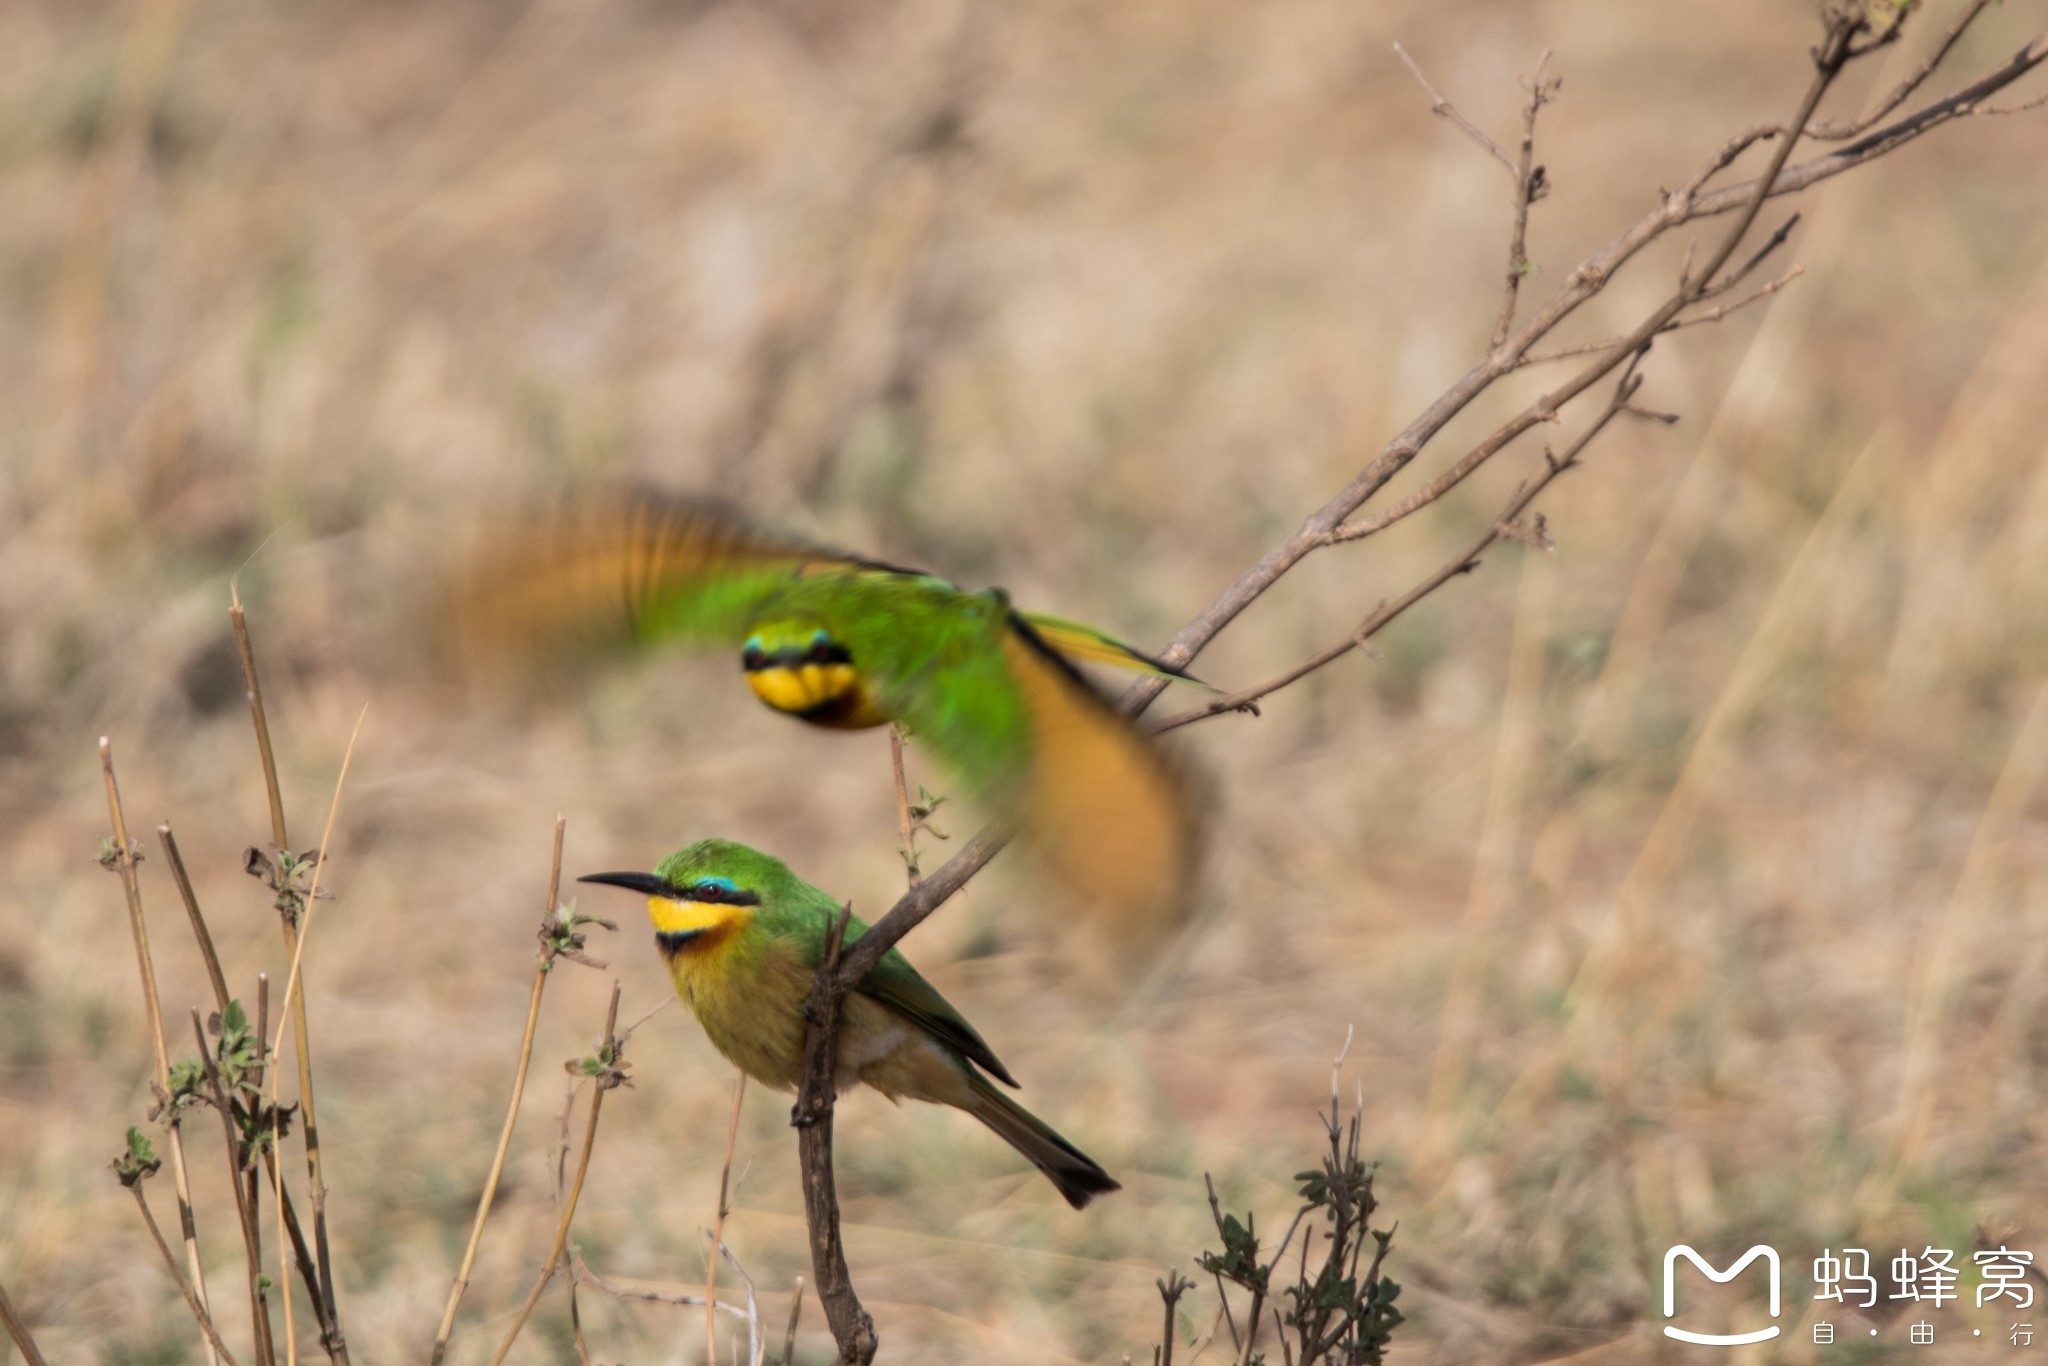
(607, 1066)
(287, 874)
(561, 936)
(138, 1160)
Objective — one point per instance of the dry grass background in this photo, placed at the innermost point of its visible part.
(1094, 301)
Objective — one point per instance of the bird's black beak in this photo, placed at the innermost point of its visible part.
(632, 882)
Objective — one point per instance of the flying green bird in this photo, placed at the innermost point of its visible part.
(847, 643)
(743, 935)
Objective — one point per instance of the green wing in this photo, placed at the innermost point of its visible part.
(899, 986)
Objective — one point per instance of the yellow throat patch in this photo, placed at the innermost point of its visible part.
(681, 926)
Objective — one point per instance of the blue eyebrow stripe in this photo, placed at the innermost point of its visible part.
(719, 890)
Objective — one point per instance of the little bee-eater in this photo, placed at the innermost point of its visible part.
(847, 643)
(743, 936)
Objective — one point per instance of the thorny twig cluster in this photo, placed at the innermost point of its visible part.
(1705, 291)
(1338, 1311)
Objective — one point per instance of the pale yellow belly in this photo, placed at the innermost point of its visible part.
(755, 1019)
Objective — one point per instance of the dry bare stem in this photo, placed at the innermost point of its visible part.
(796, 1310)
(1444, 109)
(1507, 526)
(327, 1309)
(732, 1134)
(214, 1345)
(610, 1077)
(31, 1356)
(123, 861)
(252, 1247)
(543, 962)
(200, 932)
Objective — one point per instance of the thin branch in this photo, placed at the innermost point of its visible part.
(1443, 108)
(906, 825)
(1840, 130)
(688, 1299)
(192, 912)
(329, 1310)
(852, 1328)
(1757, 258)
(542, 962)
(2023, 107)
(30, 1356)
(1171, 1288)
(610, 1077)
(291, 981)
(796, 1309)
(1530, 185)
(122, 860)
(252, 1247)
(213, 1341)
(1962, 103)
(1506, 526)
(732, 1134)
(755, 1351)
(1352, 531)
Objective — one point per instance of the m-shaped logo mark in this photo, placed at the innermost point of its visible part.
(1671, 1256)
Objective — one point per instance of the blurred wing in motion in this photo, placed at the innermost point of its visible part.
(1107, 809)
(619, 571)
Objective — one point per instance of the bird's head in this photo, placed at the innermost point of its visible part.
(698, 896)
(796, 665)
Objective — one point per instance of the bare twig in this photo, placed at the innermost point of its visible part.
(906, 825)
(199, 930)
(1443, 108)
(732, 1134)
(755, 1351)
(852, 1328)
(329, 1311)
(1353, 530)
(796, 1309)
(184, 1286)
(1531, 184)
(122, 859)
(609, 1075)
(688, 1299)
(543, 960)
(30, 1356)
(252, 1247)
(1840, 130)
(1171, 1288)
(1505, 526)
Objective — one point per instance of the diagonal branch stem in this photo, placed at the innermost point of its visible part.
(544, 961)
(124, 863)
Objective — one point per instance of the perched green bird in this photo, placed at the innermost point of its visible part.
(846, 643)
(743, 935)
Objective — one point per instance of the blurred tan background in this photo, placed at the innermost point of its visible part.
(1685, 885)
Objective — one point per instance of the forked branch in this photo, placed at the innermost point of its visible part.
(1849, 33)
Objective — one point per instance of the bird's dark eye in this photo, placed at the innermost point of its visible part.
(753, 657)
(822, 652)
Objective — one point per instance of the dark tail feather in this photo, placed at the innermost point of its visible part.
(1070, 1169)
